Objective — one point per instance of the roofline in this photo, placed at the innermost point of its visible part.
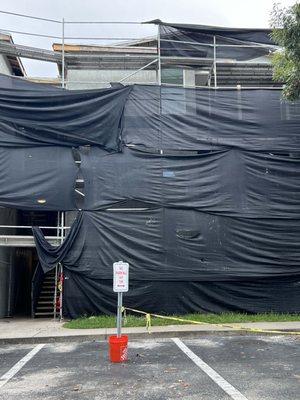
(120, 48)
(5, 37)
(207, 27)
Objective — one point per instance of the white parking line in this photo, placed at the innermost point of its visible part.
(16, 368)
(221, 382)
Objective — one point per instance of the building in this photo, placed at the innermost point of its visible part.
(90, 67)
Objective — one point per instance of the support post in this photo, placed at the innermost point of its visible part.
(63, 55)
(56, 268)
(61, 269)
(158, 56)
(55, 293)
(119, 314)
(215, 62)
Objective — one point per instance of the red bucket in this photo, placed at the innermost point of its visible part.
(118, 348)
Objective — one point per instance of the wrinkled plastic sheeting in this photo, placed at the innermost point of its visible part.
(189, 41)
(170, 118)
(12, 82)
(89, 296)
(50, 256)
(61, 117)
(230, 182)
(179, 245)
(38, 178)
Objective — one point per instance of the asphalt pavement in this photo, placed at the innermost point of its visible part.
(208, 367)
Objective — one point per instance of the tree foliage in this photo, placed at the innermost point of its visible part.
(286, 62)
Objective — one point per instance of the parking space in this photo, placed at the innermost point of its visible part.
(10, 355)
(230, 367)
(261, 367)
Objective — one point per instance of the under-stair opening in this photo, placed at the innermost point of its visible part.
(23, 266)
(18, 262)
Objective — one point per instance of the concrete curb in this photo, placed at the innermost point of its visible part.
(132, 335)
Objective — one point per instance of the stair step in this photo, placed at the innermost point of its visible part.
(45, 308)
(47, 290)
(43, 313)
(45, 302)
(45, 305)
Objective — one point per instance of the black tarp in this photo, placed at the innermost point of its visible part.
(174, 118)
(228, 182)
(227, 152)
(178, 245)
(49, 255)
(86, 296)
(187, 40)
(38, 178)
(61, 117)
(215, 174)
(12, 82)
(194, 258)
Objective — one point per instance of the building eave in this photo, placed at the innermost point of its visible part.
(14, 62)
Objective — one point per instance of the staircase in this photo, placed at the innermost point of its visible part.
(45, 306)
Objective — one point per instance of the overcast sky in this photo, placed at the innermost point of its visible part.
(238, 13)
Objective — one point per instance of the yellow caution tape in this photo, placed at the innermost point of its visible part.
(190, 321)
(148, 322)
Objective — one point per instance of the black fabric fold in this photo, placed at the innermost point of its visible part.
(85, 296)
(68, 118)
(49, 255)
(210, 177)
(177, 245)
(228, 182)
(184, 40)
(179, 119)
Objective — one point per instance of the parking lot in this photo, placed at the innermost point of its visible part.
(211, 367)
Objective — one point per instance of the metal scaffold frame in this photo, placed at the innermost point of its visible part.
(159, 60)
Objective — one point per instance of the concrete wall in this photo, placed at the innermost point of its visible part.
(4, 66)
(6, 254)
(7, 217)
(91, 79)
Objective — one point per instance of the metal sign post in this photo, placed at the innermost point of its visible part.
(120, 285)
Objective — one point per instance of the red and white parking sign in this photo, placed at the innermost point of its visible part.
(121, 278)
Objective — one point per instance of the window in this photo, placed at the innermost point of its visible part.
(172, 76)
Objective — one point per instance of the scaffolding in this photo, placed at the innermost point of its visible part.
(158, 60)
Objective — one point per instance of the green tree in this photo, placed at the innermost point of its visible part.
(285, 23)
